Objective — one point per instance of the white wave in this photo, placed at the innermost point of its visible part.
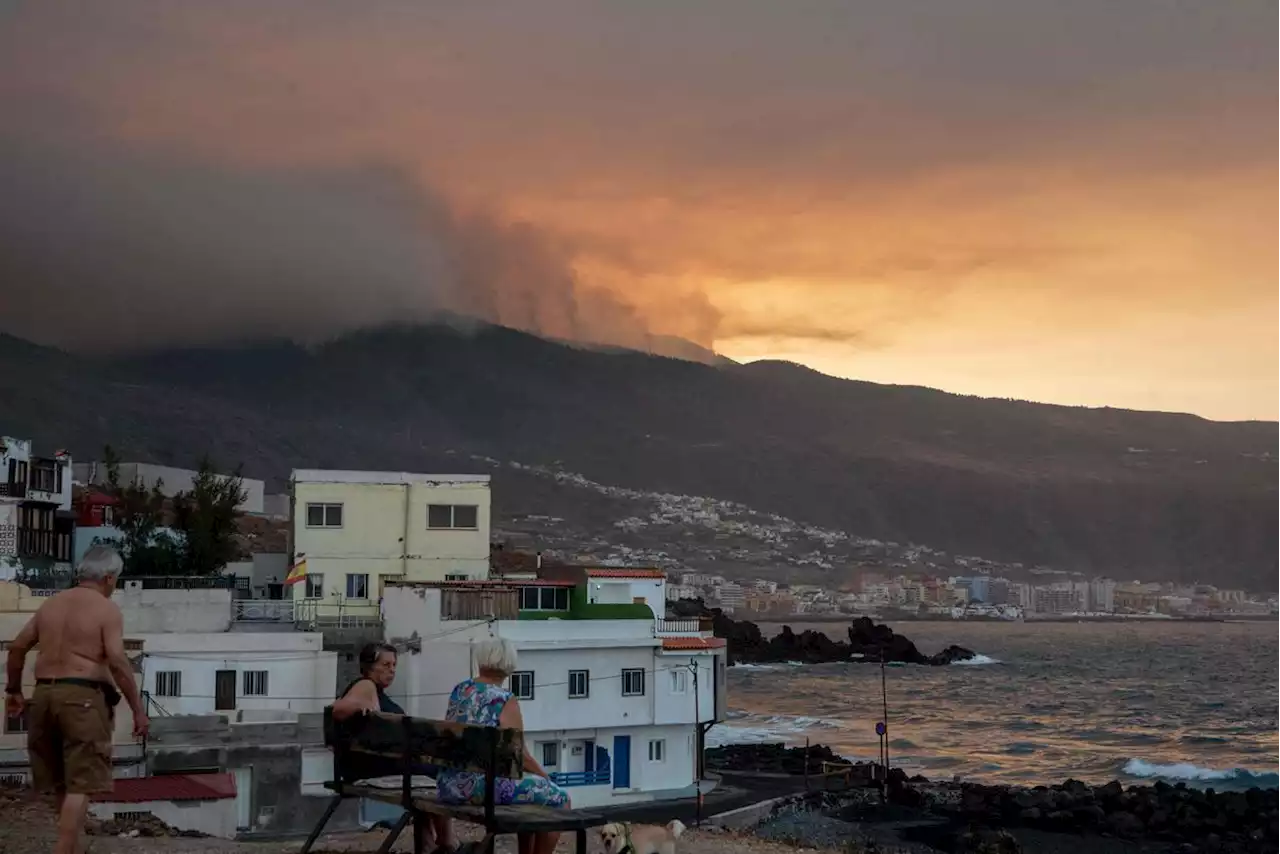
(1179, 771)
(742, 665)
(979, 659)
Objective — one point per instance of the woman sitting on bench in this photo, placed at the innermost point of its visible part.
(484, 700)
(369, 694)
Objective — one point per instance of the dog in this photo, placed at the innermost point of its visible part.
(640, 838)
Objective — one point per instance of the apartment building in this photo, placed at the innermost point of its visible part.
(616, 700)
(37, 527)
(359, 530)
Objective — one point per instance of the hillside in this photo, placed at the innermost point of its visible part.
(1127, 494)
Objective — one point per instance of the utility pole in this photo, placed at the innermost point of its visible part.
(697, 742)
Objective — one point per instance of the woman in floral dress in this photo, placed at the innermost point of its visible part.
(484, 700)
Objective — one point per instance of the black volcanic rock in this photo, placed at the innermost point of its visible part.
(868, 642)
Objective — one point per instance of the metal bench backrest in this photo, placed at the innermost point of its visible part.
(396, 744)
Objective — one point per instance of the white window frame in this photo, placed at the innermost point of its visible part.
(521, 684)
(554, 748)
(558, 593)
(657, 750)
(325, 507)
(168, 683)
(19, 723)
(629, 675)
(365, 576)
(257, 680)
(453, 513)
(315, 586)
(585, 676)
(679, 680)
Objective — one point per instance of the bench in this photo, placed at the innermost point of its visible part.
(382, 745)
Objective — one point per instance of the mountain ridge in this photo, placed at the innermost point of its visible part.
(1105, 491)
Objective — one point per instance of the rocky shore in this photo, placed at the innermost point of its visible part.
(1157, 818)
(867, 641)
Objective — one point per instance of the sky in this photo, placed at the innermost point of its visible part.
(1062, 202)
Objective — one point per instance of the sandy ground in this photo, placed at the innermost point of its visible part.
(27, 826)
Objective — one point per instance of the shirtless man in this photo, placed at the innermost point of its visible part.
(80, 633)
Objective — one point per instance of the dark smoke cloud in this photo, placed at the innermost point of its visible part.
(111, 248)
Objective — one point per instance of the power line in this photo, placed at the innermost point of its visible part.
(619, 676)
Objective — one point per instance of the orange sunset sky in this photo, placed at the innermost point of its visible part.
(1068, 202)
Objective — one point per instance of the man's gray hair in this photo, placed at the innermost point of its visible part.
(495, 655)
(98, 563)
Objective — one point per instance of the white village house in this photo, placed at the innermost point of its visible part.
(616, 700)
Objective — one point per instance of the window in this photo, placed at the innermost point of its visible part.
(455, 576)
(544, 598)
(453, 516)
(550, 753)
(17, 723)
(633, 683)
(579, 684)
(324, 515)
(357, 585)
(679, 680)
(255, 683)
(44, 478)
(657, 750)
(315, 585)
(169, 683)
(522, 684)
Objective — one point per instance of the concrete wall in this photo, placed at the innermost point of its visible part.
(384, 530)
(624, 591)
(300, 675)
(212, 817)
(149, 612)
(267, 761)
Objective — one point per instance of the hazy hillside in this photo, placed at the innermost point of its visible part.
(1122, 493)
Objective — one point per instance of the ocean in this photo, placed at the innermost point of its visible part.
(1137, 702)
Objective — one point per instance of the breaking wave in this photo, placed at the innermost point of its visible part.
(1236, 778)
(979, 659)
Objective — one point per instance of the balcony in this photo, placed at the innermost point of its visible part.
(697, 627)
(13, 490)
(581, 778)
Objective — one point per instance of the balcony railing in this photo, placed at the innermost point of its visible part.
(581, 778)
(319, 614)
(683, 626)
(263, 610)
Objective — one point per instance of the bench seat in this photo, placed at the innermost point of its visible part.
(517, 818)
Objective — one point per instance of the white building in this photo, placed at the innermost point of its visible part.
(358, 530)
(170, 479)
(205, 803)
(237, 673)
(36, 524)
(606, 688)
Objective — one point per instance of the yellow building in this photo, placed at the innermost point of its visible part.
(358, 529)
(17, 605)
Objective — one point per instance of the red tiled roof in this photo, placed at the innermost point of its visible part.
(171, 787)
(692, 643)
(623, 572)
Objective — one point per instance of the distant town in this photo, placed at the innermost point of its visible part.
(977, 596)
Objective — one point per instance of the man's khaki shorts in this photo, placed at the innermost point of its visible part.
(69, 740)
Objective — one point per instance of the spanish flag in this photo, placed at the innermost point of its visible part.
(298, 571)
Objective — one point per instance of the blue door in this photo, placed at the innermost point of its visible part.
(622, 762)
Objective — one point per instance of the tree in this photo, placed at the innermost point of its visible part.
(206, 518)
(147, 549)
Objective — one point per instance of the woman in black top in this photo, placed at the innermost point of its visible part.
(369, 694)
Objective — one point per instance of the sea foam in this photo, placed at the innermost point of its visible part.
(1236, 778)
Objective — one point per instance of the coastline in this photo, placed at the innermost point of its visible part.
(1036, 818)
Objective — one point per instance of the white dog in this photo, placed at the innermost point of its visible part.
(640, 838)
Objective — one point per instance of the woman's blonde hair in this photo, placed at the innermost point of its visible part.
(495, 655)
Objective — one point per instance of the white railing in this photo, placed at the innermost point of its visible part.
(262, 610)
(689, 626)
